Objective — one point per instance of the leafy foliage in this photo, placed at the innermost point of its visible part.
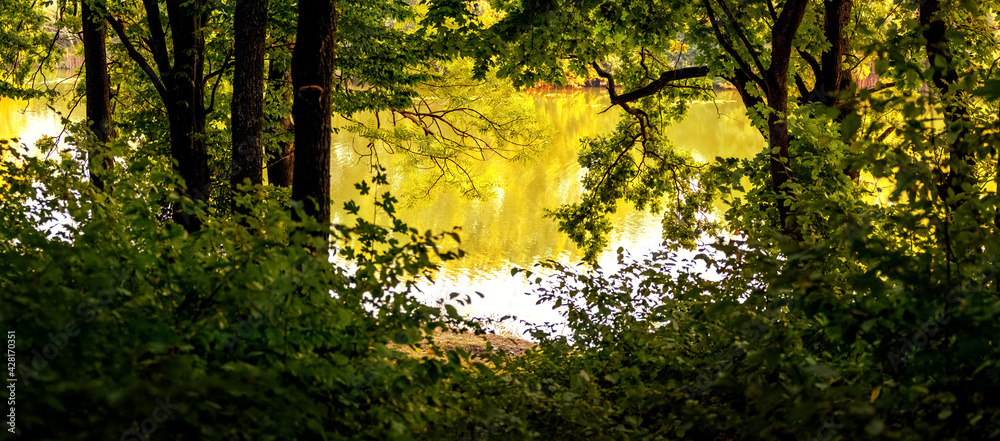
(875, 320)
(241, 331)
(29, 47)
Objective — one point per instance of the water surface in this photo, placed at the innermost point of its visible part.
(508, 228)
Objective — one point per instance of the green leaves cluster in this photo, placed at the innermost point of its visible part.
(30, 45)
(239, 326)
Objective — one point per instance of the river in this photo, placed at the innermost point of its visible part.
(509, 228)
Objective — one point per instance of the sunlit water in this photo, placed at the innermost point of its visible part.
(509, 228)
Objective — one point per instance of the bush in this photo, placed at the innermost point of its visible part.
(128, 327)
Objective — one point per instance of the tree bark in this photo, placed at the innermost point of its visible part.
(181, 87)
(98, 86)
(776, 93)
(280, 171)
(961, 160)
(833, 80)
(250, 26)
(312, 74)
(773, 82)
(185, 105)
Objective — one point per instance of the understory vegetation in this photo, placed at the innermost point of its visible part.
(155, 286)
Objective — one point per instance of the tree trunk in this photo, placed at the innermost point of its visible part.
(250, 26)
(776, 87)
(185, 105)
(98, 87)
(773, 82)
(312, 73)
(280, 171)
(961, 160)
(833, 80)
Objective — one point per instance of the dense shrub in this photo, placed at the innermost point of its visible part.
(128, 327)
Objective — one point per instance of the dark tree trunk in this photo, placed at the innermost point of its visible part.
(182, 89)
(312, 73)
(834, 84)
(98, 87)
(773, 83)
(185, 105)
(833, 80)
(250, 26)
(776, 93)
(281, 170)
(961, 160)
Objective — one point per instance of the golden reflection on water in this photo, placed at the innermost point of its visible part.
(29, 121)
(509, 227)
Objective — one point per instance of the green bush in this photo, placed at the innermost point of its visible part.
(128, 327)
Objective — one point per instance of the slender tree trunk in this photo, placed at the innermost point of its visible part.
(181, 86)
(250, 26)
(961, 160)
(312, 74)
(98, 87)
(834, 80)
(185, 105)
(773, 82)
(776, 92)
(281, 170)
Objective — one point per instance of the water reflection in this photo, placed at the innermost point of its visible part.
(508, 228)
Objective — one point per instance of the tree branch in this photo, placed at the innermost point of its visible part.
(811, 61)
(728, 47)
(662, 82)
(742, 35)
(653, 87)
(801, 85)
(134, 54)
(158, 41)
(617, 100)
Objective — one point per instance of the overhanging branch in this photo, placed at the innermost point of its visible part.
(653, 87)
(134, 54)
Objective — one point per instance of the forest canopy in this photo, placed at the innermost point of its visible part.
(844, 283)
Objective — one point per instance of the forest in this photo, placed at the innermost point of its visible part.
(175, 267)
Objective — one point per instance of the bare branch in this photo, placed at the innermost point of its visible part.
(812, 61)
(226, 64)
(653, 87)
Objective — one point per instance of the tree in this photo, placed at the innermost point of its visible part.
(94, 30)
(281, 169)
(27, 49)
(764, 50)
(180, 85)
(250, 29)
(312, 76)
